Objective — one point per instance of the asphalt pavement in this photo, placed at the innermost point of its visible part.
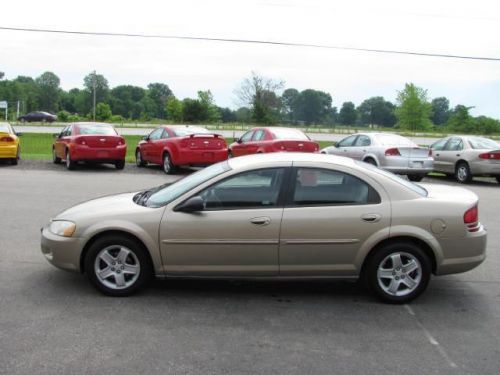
(54, 322)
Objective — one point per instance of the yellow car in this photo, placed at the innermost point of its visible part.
(10, 147)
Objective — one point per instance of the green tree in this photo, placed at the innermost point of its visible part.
(227, 115)
(103, 112)
(377, 111)
(194, 111)
(312, 106)
(288, 100)
(348, 114)
(461, 120)
(174, 110)
(48, 91)
(413, 111)
(260, 94)
(243, 114)
(159, 93)
(486, 125)
(440, 110)
(207, 100)
(101, 88)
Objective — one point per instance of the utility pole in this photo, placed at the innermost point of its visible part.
(93, 86)
(17, 110)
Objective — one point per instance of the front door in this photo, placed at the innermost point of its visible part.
(345, 146)
(343, 210)
(243, 147)
(236, 234)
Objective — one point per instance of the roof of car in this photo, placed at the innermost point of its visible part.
(91, 124)
(277, 157)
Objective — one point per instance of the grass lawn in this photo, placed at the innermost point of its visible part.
(38, 146)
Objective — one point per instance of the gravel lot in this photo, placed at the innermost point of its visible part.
(53, 322)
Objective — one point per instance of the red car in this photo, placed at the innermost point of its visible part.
(175, 146)
(89, 142)
(272, 139)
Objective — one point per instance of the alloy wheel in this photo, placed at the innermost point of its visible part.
(117, 267)
(399, 274)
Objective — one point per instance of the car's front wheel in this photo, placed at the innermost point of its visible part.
(139, 161)
(118, 265)
(498, 179)
(398, 272)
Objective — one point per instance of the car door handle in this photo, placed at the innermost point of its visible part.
(263, 220)
(371, 218)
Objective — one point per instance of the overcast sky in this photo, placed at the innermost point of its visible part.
(448, 27)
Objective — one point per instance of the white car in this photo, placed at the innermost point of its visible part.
(387, 151)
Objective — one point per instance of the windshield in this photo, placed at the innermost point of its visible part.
(96, 129)
(482, 143)
(5, 128)
(394, 140)
(289, 134)
(174, 191)
(410, 185)
(181, 132)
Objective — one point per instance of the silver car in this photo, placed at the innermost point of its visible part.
(277, 215)
(467, 156)
(387, 151)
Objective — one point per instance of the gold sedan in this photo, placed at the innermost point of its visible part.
(276, 215)
(10, 145)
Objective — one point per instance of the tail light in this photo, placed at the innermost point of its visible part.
(392, 152)
(490, 155)
(121, 142)
(316, 147)
(279, 146)
(471, 219)
(6, 139)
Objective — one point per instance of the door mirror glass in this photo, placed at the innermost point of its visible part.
(193, 204)
(145, 138)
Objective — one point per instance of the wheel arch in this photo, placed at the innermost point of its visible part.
(426, 248)
(116, 232)
(371, 156)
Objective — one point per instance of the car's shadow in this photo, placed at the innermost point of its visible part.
(449, 180)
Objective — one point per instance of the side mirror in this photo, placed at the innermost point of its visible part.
(145, 138)
(193, 204)
(19, 134)
(238, 140)
(335, 144)
(56, 135)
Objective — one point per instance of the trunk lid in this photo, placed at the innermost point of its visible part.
(299, 146)
(450, 194)
(100, 141)
(204, 142)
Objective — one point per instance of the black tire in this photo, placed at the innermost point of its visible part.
(70, 164)
(55, 159)
(230, 154)
(138, 257)
(382, 256)
(371, 161)
(15, 160)
(139, 161)
(120, 164)
(168, 166)
(415, 177)
(498, 179)
(462, 173)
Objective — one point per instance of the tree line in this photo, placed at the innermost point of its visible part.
(261, 100)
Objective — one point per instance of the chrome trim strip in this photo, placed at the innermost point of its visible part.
(222, 242)
(319, 242)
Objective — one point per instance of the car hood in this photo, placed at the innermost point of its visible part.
(105, 207)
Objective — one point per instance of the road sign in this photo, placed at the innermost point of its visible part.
(3, 105)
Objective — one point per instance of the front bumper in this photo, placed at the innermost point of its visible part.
(62, 252)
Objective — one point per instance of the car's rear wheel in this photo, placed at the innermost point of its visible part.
(462, 173)
(120, 164)
(117, 265)
(415, 177)
(498, 179)
(15, 160)
(55, 159)
(70, 164)
(371, 161)
(139, 161)
(398, 272)
(168, 166)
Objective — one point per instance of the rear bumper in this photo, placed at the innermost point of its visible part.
(463, 254)
(82, 153)
(405, 166)
(201, 157)
(8, 151)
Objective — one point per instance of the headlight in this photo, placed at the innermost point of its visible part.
(62, 228)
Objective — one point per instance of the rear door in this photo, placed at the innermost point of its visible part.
(360, 147)
(236, 234)
(328, 216)
(450, 154)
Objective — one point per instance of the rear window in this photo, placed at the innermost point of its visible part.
(394, 140)
(290, 134)
(5, 128)
(181, 132)
(394, 177)
(96, 129)
(482, 143)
